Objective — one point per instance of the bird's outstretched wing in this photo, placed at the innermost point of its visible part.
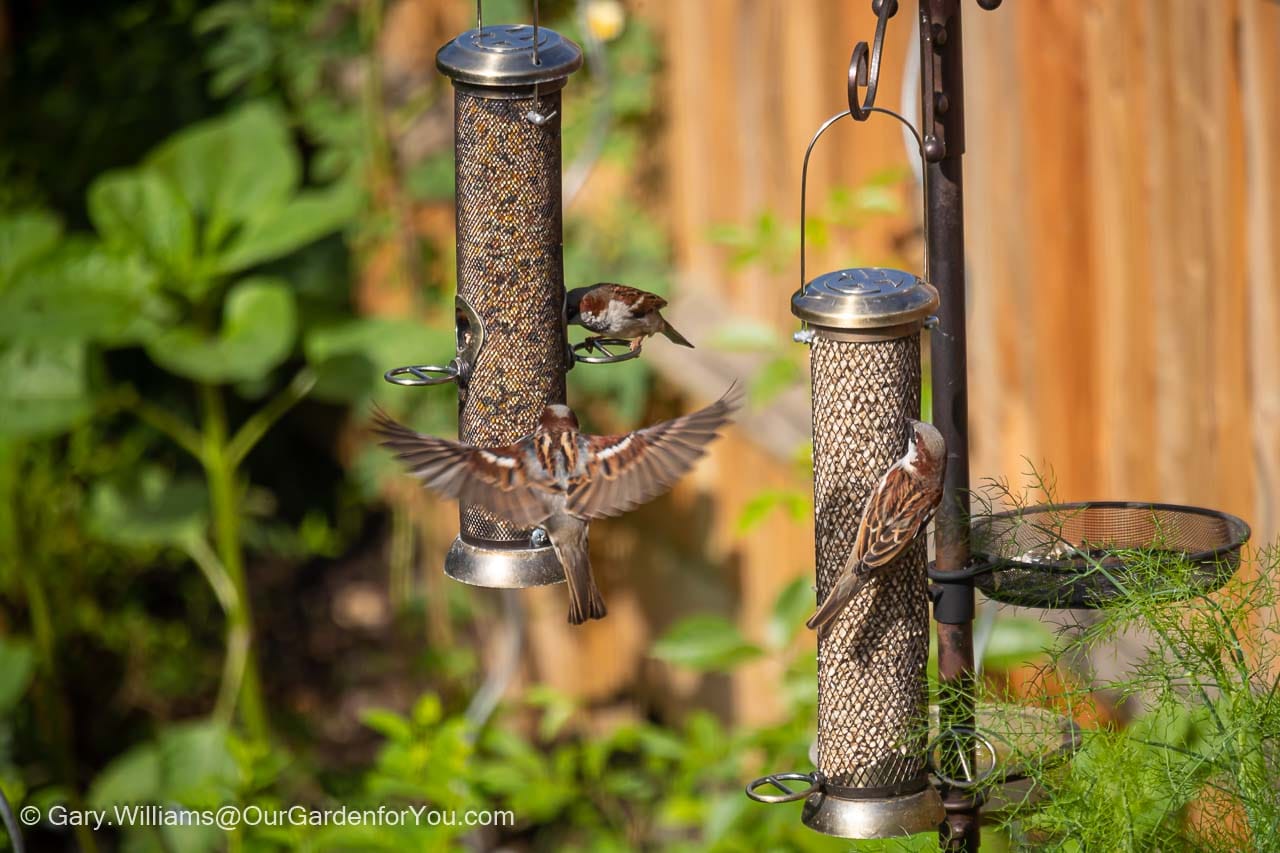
(492, 478)
(627, 470)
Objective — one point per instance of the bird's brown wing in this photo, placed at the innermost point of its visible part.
(492, 478)
(627, 470)
(641, 301)
(897, 510)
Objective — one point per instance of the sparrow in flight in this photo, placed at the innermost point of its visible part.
(899, 508)
(619, 311)
(559, 478)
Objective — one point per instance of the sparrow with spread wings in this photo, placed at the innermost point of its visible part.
(899, 508)
(559, 478)
(619, 311)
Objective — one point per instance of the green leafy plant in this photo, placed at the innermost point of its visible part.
(177, 236)
(1198, 769)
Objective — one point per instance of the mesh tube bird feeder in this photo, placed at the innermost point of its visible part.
(873, 726)
(512, 351)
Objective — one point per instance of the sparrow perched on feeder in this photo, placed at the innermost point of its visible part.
(619, 311)
(559, 478)
(899, 508)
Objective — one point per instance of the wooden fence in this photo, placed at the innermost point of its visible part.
(1123, 232)
(1122, 206)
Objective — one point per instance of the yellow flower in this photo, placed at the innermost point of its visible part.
(605, 19)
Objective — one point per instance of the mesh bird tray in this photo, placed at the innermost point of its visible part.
(1083, 555)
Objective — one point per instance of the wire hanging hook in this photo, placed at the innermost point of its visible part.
(864, 73)
(864, 64)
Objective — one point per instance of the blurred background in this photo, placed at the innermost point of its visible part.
(220, 223)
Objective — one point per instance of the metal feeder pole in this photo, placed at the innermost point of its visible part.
(941, 51)
(512, 347)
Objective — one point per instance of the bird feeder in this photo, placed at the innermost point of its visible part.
(863, 327)
(512, 350)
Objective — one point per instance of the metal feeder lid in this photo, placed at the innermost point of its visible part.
(864, 298)
(501, 55)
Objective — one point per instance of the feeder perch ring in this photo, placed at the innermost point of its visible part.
(423, 374)
(958, 735)
(788, 794)
(581, 349)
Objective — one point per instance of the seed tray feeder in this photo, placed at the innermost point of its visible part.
(1084, 555)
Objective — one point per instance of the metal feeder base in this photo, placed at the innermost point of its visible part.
(502, 568)
(893, 817)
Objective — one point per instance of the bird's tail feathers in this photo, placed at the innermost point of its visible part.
(841, 594)
(674, 336)
(585, 601)
(586, 606)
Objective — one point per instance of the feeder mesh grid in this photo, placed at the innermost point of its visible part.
(872, 692)
(510, 271)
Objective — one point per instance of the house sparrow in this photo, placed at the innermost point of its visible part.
(899, 507)
(560, 479)
(619, 311)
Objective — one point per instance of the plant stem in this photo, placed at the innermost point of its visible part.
(55, 715)
(252, 431)
(199, 550)
(224, 500)
(178, 430)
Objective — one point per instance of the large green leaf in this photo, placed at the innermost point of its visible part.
(190, 763)
(278, 231)
(45, 388)
(83, 292)
(133, 777)
(143, 212)
(24, 237)
(231, 168)
(705, 642)
(217, 198)
(258, 329)
(154, 510)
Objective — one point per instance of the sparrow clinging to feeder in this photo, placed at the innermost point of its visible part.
(559, 478)
(619, 311)
(900, 506)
